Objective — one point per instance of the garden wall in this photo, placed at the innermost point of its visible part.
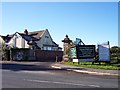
(39, 55)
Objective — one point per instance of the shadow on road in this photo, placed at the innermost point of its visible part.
(40, 66)
(28, 67)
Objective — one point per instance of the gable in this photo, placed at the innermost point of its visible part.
(16, 35)
(17, 41)
(46, 38)
(48, 34)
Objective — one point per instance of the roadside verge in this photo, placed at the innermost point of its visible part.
(85, 70)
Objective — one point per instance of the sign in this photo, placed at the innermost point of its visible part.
(104, 52)
(75, 60)
(73, 52)
(85, 51)
(82, 60)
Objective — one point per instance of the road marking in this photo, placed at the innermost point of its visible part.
(89, 72)
(56, 67)
(36, 72)
(38, 81)
(98, 73)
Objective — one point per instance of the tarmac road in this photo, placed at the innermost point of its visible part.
(42, 75)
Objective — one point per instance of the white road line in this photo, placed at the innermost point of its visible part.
(98, 73)
(61, 83)
(56, 67)
(89, 72)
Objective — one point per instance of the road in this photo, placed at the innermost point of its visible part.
(41, 75)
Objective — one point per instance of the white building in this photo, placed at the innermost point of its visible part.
(37, 40)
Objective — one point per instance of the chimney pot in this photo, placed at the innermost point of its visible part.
(26, 32)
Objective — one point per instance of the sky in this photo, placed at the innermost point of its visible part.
(93, 22)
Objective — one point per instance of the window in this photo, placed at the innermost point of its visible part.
(46, 37)
(49, 48)
(45, 48)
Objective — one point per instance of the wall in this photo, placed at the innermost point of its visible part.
(39, 55)
(12, 42)
(19, 54)
(48, 55)
(19, 41)
(26, 45)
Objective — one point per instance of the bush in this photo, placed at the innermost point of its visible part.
(4, 52)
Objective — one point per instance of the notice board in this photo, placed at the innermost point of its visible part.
(104, 52)
(85, 51)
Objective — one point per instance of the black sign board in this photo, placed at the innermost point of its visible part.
(85, 51)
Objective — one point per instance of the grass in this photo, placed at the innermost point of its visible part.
(96, 65)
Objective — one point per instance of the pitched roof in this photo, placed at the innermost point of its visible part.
(59, 48)
(32, 36)
(54, 44)
(28, 37)
(36, 34)
(6, 38)
(39, 34)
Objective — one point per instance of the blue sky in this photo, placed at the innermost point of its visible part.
(93, 22)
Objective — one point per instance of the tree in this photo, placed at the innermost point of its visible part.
(3, 51)
(68, 52)
(114, 49)
(3, 47)
(115, 53)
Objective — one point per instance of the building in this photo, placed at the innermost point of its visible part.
(5, 39)
(35, 40)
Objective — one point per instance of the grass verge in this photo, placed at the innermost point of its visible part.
(96, 65)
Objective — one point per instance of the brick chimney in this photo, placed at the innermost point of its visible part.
(26, 32)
